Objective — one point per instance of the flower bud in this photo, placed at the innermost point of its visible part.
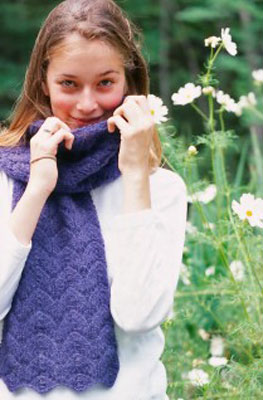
(208, 90)
(192, 151)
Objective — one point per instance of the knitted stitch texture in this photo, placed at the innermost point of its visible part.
(59, 330)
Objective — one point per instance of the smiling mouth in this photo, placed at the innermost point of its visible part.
(87, 121)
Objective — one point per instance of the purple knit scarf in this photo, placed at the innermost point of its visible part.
(59, 331)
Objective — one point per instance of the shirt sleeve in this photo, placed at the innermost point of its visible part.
(144, 256)
(13, 254)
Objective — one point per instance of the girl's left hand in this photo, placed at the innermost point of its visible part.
(136, 126)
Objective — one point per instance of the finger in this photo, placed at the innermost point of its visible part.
(119, 122)
(111, 125)
(142, 102)
(61, 135)
(130, 110)
(51, 125)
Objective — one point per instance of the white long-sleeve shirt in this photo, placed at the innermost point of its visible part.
(143, 252)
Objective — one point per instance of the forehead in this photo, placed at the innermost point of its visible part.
(76, 51)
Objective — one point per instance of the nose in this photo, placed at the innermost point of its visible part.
(86, 102)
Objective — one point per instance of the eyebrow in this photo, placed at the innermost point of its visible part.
(110, 71)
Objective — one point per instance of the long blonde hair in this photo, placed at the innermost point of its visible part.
(92, 19)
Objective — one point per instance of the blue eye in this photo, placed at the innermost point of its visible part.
(106, 83)
(67, 83)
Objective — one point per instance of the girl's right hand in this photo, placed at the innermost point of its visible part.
(44, 173)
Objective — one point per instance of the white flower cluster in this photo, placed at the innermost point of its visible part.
(198, 377)
(226, 101)
(216, 350)
(258, 76)
(212, 41)
(229, 104)
(189, 92)
(250, 209)
(185, 274)
(225, 39)
(204, 196)
(238, 270)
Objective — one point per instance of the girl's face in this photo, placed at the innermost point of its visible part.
(85, 82)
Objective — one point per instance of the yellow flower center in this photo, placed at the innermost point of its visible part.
(249, 213)
(152, 112)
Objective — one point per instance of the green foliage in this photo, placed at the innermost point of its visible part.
(19, 25)
(220, 302)
(198, 14)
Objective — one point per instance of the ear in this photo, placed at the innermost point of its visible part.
(45, 88)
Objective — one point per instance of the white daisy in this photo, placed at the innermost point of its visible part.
(198, 377)
(229, 45)
(204, 196)
(210, 270)
(250, 209)
(186, 94)
(226, 101)
(185, 275)
(217, 361)
(258, 76)
(157, 108)
(217, 346)
(238, 270)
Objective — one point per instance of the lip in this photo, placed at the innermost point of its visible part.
(81, 121)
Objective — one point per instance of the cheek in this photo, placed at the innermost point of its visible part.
(113, 100)
(61, 103)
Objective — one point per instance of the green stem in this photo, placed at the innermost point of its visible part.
(226, 189)
(258, 159)
(217, 52)
(200, 112)
(168, 162)
(211, 112)
(222, 124)
(218, 245)
(211, 61)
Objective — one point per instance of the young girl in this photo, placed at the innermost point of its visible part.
(91, 228)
